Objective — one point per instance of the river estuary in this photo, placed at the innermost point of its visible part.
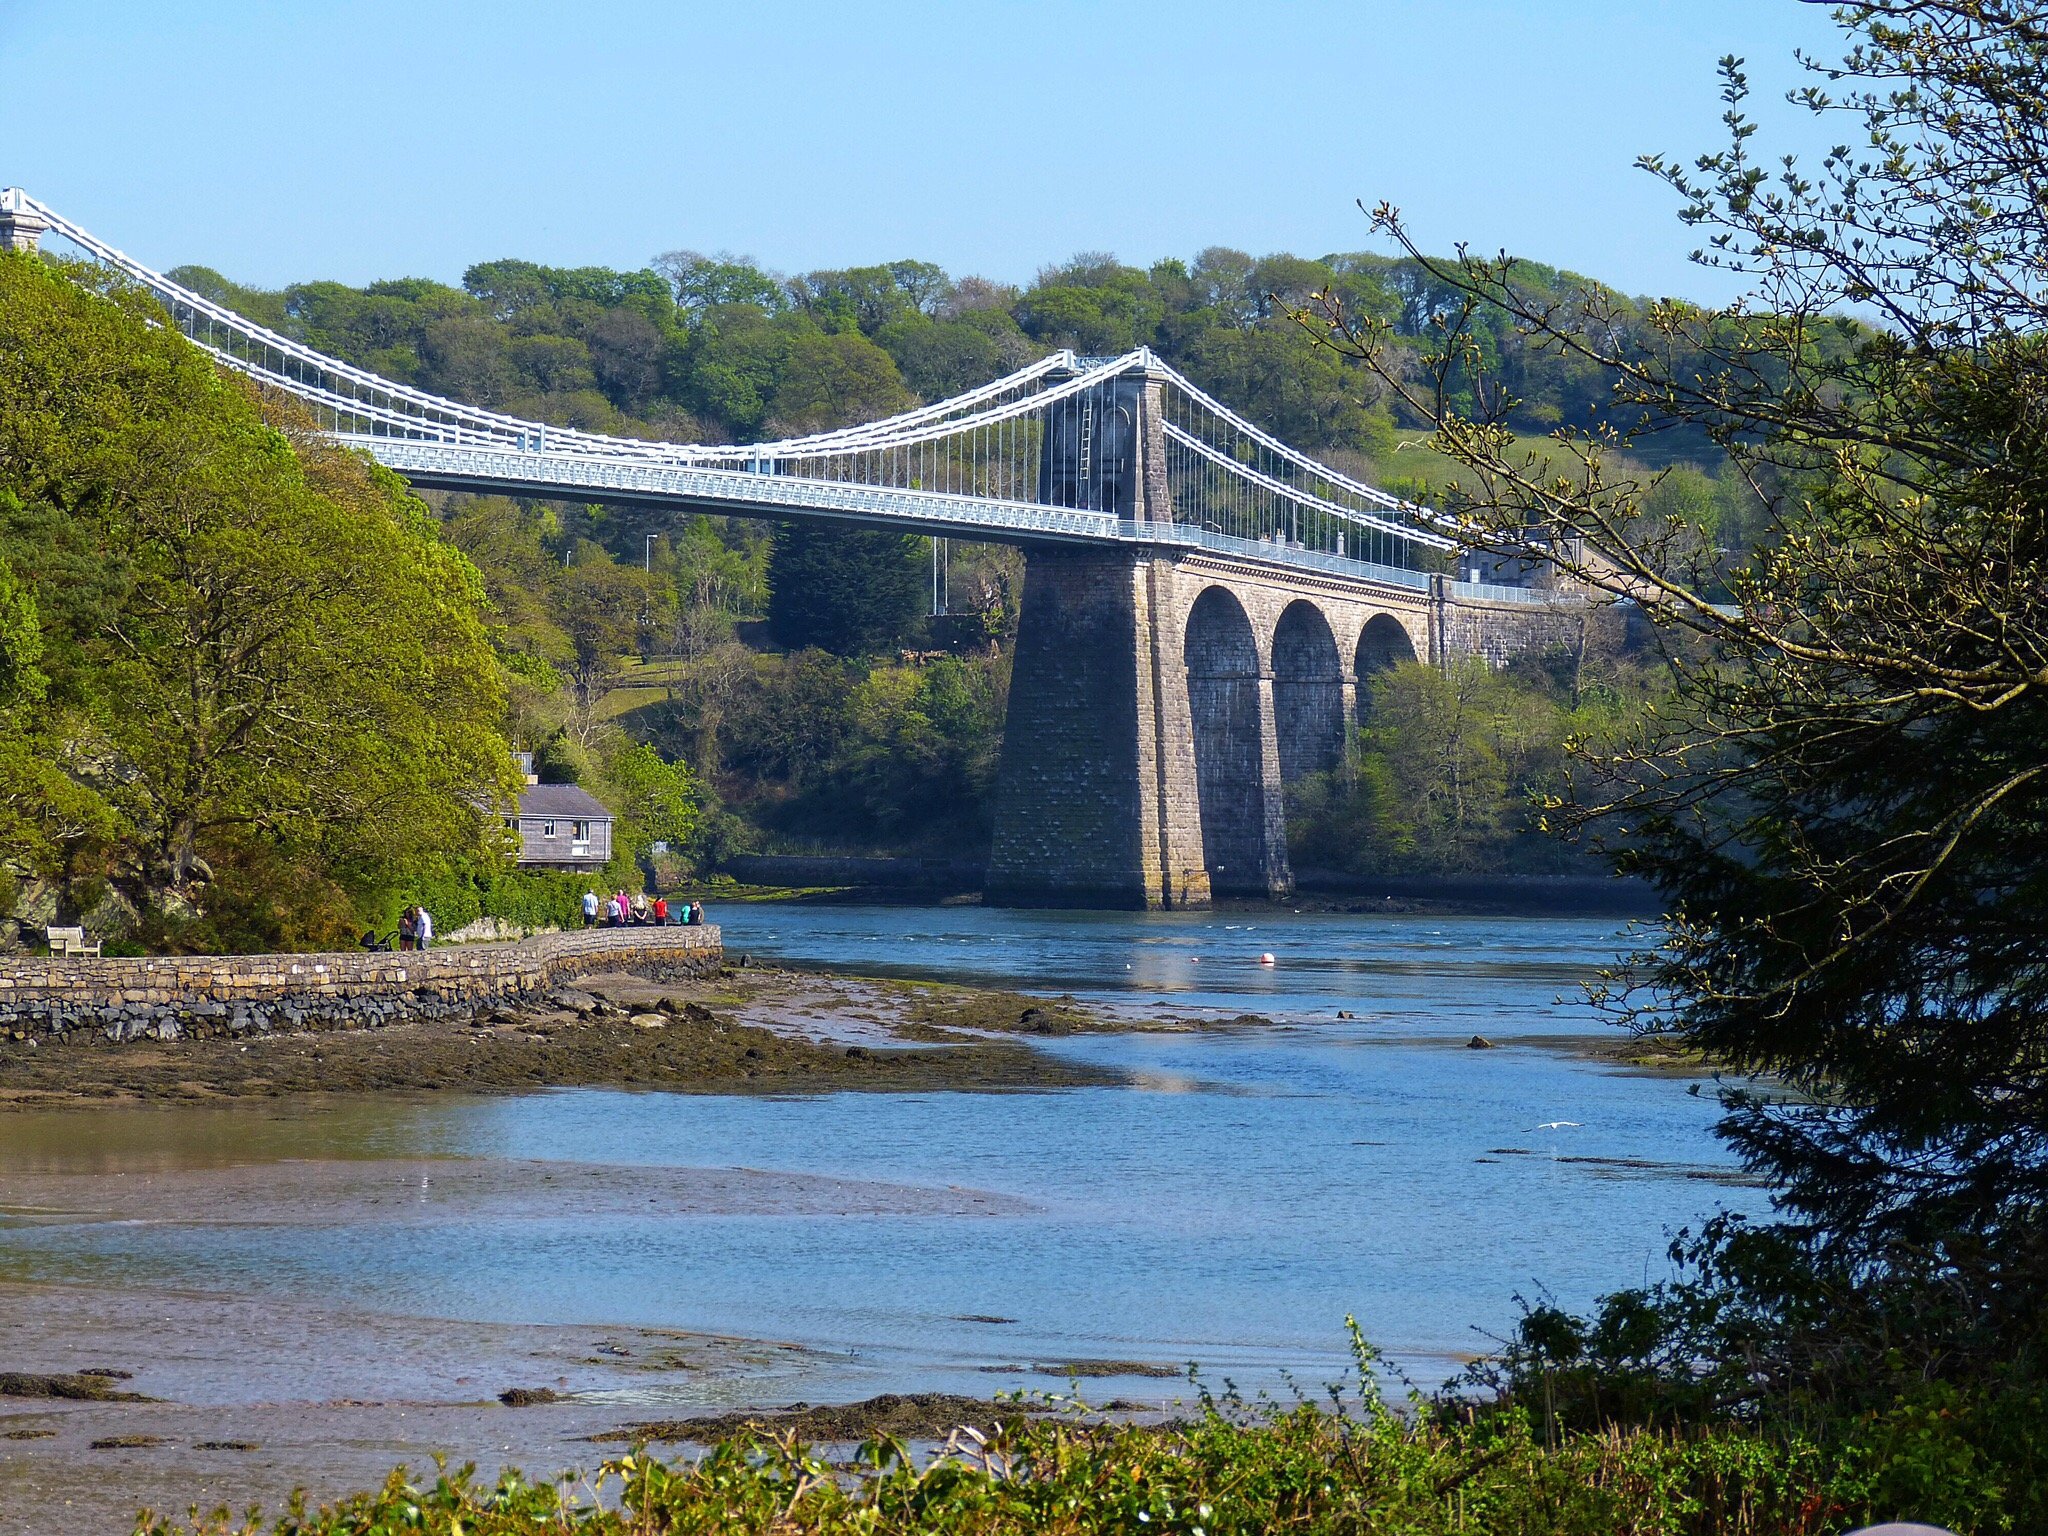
(1253, 1185)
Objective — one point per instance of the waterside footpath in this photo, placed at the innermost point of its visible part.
(175, 997)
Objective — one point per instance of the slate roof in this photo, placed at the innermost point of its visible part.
(570, 801)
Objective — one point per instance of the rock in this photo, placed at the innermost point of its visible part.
(649, 1021)
(857, 1052)
(526, 1397)
(1346, 1013)
(582, 1004)
(1479, 1043)
(113, 916)
(35, 905)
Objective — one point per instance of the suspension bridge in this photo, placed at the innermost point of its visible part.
(1201, 604)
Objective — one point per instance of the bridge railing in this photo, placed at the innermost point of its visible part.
(1271, 551)
(1494, 592)
(742, 492)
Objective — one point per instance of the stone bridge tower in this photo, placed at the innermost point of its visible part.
(1164, 696)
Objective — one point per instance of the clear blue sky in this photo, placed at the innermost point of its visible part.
(357, 139)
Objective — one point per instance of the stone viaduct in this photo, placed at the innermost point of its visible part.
(1163, 698)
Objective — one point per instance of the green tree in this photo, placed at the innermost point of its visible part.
(656, 801)
(942, 358)
(706, 283)
(1847, 806)
(264, 668)
(835, 380)
(44, 817)
(467, 357)
(850, 591)
(602, 606)
(1093, 304)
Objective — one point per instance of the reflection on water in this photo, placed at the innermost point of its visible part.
(1253, 1187)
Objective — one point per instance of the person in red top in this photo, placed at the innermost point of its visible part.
(661, 911)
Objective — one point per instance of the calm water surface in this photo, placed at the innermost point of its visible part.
(1258, 1184)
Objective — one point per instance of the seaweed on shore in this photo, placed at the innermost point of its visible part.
(908, 1416)
(82, 1386)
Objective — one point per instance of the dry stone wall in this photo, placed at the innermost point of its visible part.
(174, 996)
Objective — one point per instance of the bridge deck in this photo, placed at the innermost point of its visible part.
(750, 493)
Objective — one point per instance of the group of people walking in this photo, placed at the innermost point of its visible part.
(619, 911)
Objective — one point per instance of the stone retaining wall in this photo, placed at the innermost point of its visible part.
(1499, 632)
(172, 996)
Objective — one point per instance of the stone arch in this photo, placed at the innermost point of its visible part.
(1382, 646)
(1239, 841)
(1308, 693)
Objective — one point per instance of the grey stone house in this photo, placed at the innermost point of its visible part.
(560, 826)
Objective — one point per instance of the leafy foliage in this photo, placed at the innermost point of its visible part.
(851, 591)
(1454, 769)
(261, 692)
(1229, 1469)
(818, 751)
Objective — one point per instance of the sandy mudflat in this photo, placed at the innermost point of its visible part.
(404, 1191)
(254, 1392)
(261, 1395)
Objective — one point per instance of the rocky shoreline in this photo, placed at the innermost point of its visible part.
(744, 1031)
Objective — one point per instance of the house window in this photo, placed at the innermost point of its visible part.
(511, 823)
(580, 831)
(547, 829)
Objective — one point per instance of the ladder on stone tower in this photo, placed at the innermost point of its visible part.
(1087, 443)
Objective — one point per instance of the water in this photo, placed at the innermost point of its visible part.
(1254, 1187)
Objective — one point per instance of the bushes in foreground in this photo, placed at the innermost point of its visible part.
(1306, 1469)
